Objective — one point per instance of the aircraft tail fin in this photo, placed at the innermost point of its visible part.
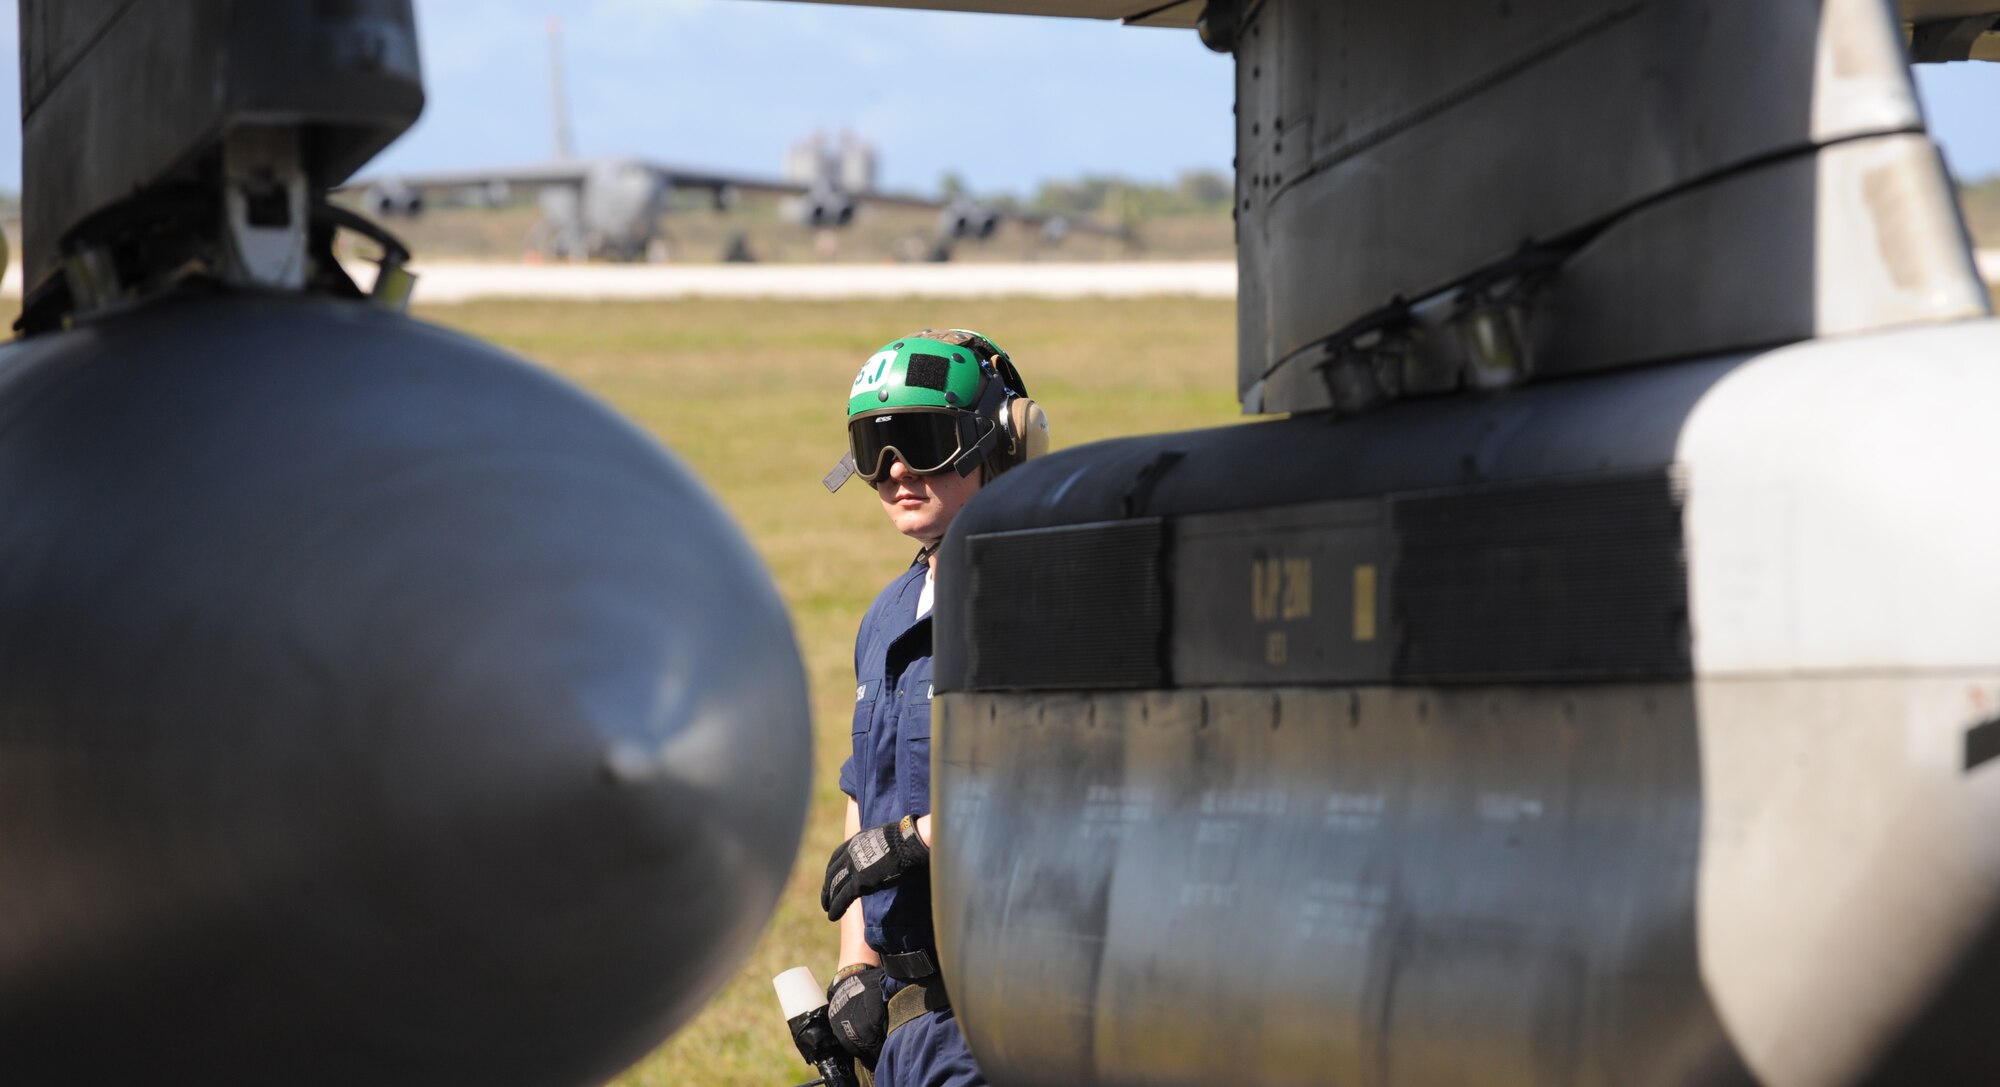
(558, 100)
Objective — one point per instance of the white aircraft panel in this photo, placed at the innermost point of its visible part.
(1810, 472)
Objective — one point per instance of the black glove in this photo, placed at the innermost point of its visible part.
(871, 860)
(858, 1011)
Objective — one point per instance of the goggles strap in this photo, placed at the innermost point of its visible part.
(842, 472)
(975, 452)
(985, 412)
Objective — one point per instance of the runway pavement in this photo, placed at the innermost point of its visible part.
(460, 281)
(445, 282)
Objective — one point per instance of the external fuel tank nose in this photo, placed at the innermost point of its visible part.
(419, 714)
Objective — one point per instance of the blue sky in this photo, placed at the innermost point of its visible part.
(1003, 101)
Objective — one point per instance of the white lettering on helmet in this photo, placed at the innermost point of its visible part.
(874, 373)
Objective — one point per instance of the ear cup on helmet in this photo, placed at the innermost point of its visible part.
(1027, 429)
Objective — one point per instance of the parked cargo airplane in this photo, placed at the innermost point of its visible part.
(609, 207)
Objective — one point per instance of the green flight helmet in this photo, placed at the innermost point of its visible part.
(934, 400)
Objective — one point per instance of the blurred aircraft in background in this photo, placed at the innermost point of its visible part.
(610, 207)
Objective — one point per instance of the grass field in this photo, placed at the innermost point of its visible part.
(751, 395)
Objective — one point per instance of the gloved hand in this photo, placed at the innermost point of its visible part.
(858, 1011)
(871, 860)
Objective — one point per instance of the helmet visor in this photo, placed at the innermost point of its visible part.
(927, 441)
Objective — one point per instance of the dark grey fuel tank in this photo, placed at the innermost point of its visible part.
(1633, 728)
(373, 708)
(1278, 754)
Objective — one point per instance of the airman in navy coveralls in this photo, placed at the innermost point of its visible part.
(931, 417)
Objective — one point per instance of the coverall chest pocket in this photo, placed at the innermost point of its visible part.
(866, 691)
(913, 748)
(867, 696)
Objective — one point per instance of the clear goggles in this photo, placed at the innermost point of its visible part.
(927, 441)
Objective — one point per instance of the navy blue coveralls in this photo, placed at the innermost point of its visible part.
(889, 776)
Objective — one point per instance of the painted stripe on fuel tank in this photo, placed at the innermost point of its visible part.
(1081, 606)
(1575, 577)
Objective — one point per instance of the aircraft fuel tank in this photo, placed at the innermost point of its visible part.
(374, 708)
(1633, 729)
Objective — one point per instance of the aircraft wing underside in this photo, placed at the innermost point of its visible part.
(1182, 13)
(1944, 20)
(1185, 12)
